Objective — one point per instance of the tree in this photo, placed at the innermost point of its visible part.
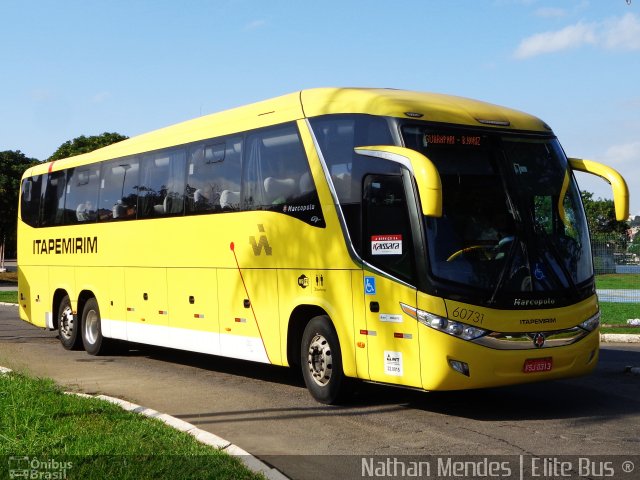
(83, 144)
(635, 245)
(602, 219)
(13, 163)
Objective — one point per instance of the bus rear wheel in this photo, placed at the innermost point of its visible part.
(321, 361)
(68, 325)
(94, 342)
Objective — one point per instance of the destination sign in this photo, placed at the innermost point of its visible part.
(447, 139)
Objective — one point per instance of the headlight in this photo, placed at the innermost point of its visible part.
(591, 323)
(455, 329)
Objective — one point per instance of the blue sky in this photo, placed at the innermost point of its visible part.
(72, 67)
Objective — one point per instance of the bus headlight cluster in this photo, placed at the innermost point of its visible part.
(591, 323)
(453, 328)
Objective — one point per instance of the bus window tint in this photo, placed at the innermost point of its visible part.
(213, 181)
(53, 199)
(82, 195)
(161, 190)
(118, 189)
(30, 200)
(271, 173)
(277, 175)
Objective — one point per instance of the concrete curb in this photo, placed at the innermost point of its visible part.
(619, 338)
(207, 438)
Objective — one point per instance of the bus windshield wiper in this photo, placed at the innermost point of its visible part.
(557, 256)
(517, 219)
(505, 268)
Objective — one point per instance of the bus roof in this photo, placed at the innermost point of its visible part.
(311, 103)
(432, 107)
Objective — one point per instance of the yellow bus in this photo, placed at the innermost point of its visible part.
(412, 239)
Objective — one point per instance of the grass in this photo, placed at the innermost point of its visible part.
(100, 440)
(618, 281)
(9, 297)
(9, 278)
(618, 314)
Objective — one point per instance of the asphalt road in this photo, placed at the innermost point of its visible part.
(267, 410)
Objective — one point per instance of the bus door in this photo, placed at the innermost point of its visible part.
(391, 336)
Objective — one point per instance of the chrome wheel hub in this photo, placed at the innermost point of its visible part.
(66, 323)
(91, 323)
(319, 360)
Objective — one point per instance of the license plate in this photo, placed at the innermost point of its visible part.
(535, 365)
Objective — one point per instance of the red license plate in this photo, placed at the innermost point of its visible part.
(535, 365)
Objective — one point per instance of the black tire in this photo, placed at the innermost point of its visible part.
(94, 342)
(68, 326)
(321, 361)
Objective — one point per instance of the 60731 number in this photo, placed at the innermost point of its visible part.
(468, 315)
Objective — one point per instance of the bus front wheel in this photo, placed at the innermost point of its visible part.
(68, 325)
(321, 361)
(94, 342)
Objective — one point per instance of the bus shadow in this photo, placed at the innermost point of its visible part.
(224, 365)
(608, 393)
(544, 401)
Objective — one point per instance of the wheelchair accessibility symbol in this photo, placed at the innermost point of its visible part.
(370, 285)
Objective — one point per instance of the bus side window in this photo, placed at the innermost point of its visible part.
(276, 175)
(162, 184)
(30, 201)
(82, 195)
(118, 189)
(266, 179)
(52, 199)
(213, 181)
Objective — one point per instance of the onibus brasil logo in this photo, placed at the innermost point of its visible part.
(36, 468)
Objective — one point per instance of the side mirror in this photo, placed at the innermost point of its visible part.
(618, 185)
(423, 170)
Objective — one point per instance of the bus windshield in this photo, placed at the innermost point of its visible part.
(512, 217)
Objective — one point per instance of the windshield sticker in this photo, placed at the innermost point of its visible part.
(393, 363)
(520, 169)
(386, 245)
(539, 272)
